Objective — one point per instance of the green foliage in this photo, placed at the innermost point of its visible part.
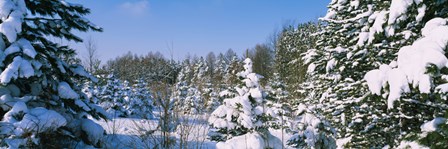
(289, 63)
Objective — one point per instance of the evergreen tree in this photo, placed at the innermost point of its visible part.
(243, 113)
(219, 71)
(182, 86)
(311, 131)
(44, 105)
(360, 36)
(141, 103)
(289, 64)
(233, 67)
(278, 111)
(112, 97)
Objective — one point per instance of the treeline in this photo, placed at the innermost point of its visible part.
(152, 67)
(282, 56)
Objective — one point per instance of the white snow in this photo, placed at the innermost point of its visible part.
(330, 15)
(432, 125)
(330, 65)
(341, 142)
(311, 68)
(362, 38)
(377, 78)
(432, 24)
(442, 88)
(308, 56)
(79, 70)
(398, 8)
(256, 93)
(13, 48)
(311, 124)
(18, 68)
(40, 120)
(412, 62)
(128, 133)
(82, 105)
(11, 71)
(354, 3)
(66, 92)
(338, 50)
(11, 14)
(248, 141)
(93, 130)
(26, 70)
(377, 27)
(410, 145)
(27, 48)
(421, 13)
(397, 85)
(18, 108)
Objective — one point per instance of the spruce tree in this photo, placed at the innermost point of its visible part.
(142, 102)
(182, 86)
(360, 36)
(243, 113)
(278, 110)
(292, 42)
(41, 100)
(112, 98)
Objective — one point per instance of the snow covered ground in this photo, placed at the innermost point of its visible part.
(127, 133)
(140, 133)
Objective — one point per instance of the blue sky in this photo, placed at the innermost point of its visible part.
(193, 27)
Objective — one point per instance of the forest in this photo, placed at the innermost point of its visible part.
(368, 74)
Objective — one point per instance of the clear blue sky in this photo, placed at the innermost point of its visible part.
(192, 26)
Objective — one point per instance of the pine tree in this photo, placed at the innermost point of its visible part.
(43, 103)
(291, 44)
(360, 36)
(243, 113)
(142, 102)
(311, 131)
(112, 97)
(277, 107)
(182, 86)
(233, 67)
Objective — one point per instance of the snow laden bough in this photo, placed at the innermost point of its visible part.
(240, 117)
(412, 64)
(311, 131)
(418, 67)
(39, 99)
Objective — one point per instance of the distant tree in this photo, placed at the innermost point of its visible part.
(152, 67)
(229, 55)
(263, 58)
(210, 62)
(91, 61)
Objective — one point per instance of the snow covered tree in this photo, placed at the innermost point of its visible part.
(233, 67)
(181, 88)
(142, 102)
(112, 97)
(311, 131)
(278, 110)
(242, 114)
(263, 59)
(417, 83)
(219, 71)
(289, 64)
(363, 35)
(44, 105)
(187, 96)
(193, 103)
